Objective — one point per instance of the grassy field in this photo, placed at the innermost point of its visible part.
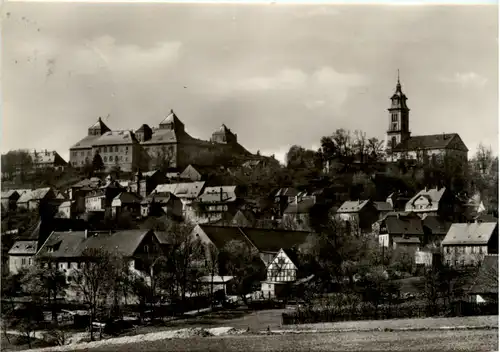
(473, 340)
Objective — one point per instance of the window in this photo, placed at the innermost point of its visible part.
(146, 249)
(116, 149)
(393, 142)
(394, 118)
(105, 159)
(481, 250)
(126, 148)
(394, 126)
(23, 261)
(82, 153)
(105, 149)
(116, 157)
(30, 261)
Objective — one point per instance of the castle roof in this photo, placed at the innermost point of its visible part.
(171, 118)
(99, 125)
(115, 137)
(86, 142)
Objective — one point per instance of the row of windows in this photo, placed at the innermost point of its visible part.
(116, 158)
(101, 150)
(24, 261)
(461, 250)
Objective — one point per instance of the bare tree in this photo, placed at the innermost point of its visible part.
(92, 281)
(213, 267)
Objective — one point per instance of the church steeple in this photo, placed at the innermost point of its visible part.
(399, 116)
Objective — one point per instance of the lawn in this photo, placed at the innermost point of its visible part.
(473, 340)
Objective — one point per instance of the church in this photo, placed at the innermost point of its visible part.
(427, 148)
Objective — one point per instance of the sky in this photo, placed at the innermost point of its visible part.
(276, 74)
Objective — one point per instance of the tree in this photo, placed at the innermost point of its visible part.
(298, 157)
(92, 281)
(97, 163)
(45, 284)
(163, 159)
(243, 263)
(213, 267)
(375, 149)
(11, 288)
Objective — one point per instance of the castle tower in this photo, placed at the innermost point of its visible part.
(172, 123)
(224, 136)
(98, 129)
(399, 118)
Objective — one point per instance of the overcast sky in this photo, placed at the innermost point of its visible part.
(277, 75)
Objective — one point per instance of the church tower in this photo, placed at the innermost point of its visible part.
(399, 118)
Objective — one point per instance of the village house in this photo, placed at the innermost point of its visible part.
(21, 255)
(187, 192)
(398, 200)
(297, 215)
(36, 200)
(401, 231)
(159, 204)
(267, 242)
(47, 159)
(383, 208)
(358, 214)
(467, 244)
(67, 209)
(100, 199)
(9, 200)
(280, 273)
(67, 250)
(145, 182)
(126, 202)
(283, 197)
(435, 229)
(214, 202)
(207, 173)
(485, 286)
(432, 201)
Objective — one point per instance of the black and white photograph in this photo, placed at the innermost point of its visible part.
(249, 176)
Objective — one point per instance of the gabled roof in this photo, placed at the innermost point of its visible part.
(432, 196)
(36, 194)
(221, 235)
(487, 278)
(403, 225)
(73, 244)
(115, 138)
(302, 207)
(171, 117)
(411, 240)
(99, 125)
(86, 142)
(436, 225)
(8, 194)
(485, 218)
(160, 198)
(353, 206)
(23, 248)
(218, 194)
(468, 234)
(127, 198)
(272, 240)
(286, 192)
(44, 156)
(188, 190)
(433, 141)
(143, 128)
(383, 206)
(162, 136)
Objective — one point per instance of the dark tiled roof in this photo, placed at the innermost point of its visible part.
(412, 240)
(272, 240)
(287, 192)
(401, 225)
(128, 198)
(303, 207)
(221, 235)
(383, 206)
(485, 218)
(436, 225)
(433, 141)
(73, 244)
(115, 138)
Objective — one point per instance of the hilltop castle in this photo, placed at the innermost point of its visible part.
(133, 150)
(400, 144)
